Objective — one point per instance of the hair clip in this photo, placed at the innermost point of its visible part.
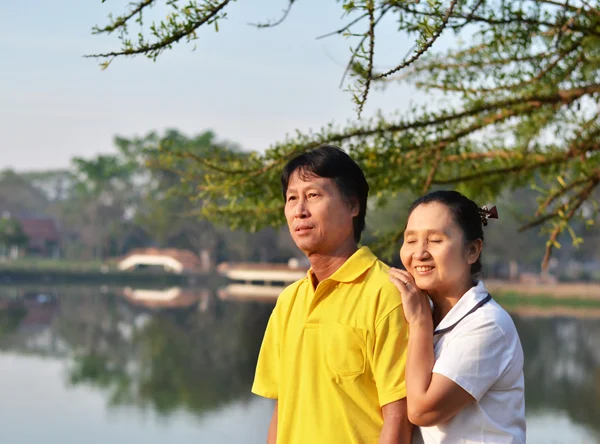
(486, 214)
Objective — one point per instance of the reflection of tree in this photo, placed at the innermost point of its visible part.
(93, 367)
(562, 367)
(10, 317)
(89, 324)
(188, 359)
(201, 363)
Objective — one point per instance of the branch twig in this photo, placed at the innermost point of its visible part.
(160, 45)
(426, 46)
(277, 22)
(371, 34)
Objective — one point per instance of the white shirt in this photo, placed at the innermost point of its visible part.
(482, 354)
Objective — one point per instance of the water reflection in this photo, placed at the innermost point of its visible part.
(177, 352)
(562, 367)
(196, 353)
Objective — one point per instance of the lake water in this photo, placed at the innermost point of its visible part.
(99, 365)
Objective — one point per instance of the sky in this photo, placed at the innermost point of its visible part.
(250, 86)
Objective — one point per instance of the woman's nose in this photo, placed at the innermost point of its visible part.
(421, 251)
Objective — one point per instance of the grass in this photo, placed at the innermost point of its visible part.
(514, 299)
(47, 264)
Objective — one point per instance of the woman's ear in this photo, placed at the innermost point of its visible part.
(474, 250)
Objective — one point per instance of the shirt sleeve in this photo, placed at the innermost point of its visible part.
(389, 356)
(475, 359)
(266, 378)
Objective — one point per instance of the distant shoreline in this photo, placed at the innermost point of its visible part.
(555, 312)
(560, 290)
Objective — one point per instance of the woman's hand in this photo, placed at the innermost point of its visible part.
(415, 301)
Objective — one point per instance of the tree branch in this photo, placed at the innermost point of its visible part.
(174, 38)
(432, 171)
(371, 55)
(592, 9)
(473, 11)
(559, 4)
(476, 63)
(345, 28)
(362, 40)
(551, 198)
(547, 161)
(279, 21)
(122, 21)
(512, 86)
(494, 21)
(426, 46)
(558, 97)
(579, 200)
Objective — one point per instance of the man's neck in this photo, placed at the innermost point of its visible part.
(324, 265)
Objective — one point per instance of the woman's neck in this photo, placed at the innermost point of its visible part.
(445, 300)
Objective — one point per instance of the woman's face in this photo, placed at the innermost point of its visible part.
(435, 252)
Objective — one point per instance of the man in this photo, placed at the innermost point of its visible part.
(334, 351)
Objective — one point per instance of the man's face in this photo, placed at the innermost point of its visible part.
(318, 216)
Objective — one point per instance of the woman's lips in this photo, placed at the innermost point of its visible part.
(423, 269)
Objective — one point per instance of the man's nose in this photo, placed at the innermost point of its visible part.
(301, 209)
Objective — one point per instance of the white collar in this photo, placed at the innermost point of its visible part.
(466, 303)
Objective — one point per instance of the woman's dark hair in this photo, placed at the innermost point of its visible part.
(331, 162)
(465, 213)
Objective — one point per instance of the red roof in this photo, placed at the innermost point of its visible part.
(40, 231)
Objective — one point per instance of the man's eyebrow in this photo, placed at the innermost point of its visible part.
(308, 188)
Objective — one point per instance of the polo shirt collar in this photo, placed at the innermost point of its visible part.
(469, 300)
(354, 267)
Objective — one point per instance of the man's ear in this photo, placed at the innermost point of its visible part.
(354, 207)
(474, 251)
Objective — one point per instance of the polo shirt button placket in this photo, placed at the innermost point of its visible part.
(322, 291)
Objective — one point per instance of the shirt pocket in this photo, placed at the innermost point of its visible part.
(344, 348)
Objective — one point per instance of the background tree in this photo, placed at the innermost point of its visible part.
(169, 206)
(19, 196)
(165, 209)
(103, 193)
(161, 211)
(523, 106)
(144, 195)
(11, 233)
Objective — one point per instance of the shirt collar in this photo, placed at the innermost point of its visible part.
(471, 298)
(354, 267)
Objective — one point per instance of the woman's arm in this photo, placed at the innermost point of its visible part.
(432, 398)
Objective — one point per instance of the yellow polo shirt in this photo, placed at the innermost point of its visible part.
(334, 355)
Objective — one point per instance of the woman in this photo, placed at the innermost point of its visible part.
(464, 371)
